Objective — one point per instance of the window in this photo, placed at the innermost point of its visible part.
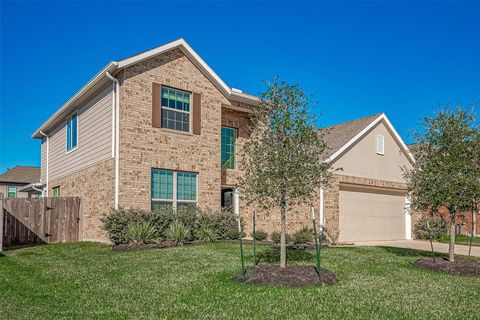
(175, 109)
(72, 132)
(11, 192)
(380, 145)
(229, 137)
(173, 189)
(56, 191)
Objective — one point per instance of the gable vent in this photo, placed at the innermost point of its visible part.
(380, 145)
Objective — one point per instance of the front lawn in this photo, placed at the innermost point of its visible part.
(88, 280)
(462, 239)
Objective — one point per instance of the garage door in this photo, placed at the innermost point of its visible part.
(369, 215)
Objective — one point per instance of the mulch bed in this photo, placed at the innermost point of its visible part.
(140, 245)
(291, 276)
(459, 267)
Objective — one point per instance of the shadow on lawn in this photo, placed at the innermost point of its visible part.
(405, 252)
(23, 246)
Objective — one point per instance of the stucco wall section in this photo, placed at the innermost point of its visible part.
(362, 160)
(95, 185)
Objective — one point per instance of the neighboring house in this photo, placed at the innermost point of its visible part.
(162, 129)
(14, 181)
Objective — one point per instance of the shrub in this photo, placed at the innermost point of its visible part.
(275, 237)
(141, 232)
(116, 225)
(304, 235)
(205, 234)
(178, 232)
(436, 227)
(259, 235)
(224, 223)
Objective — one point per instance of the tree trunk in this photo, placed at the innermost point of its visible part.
(283, 247)
(451, 245)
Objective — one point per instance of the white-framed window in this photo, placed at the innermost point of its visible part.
(72, 132)
(173, 188)
(11, 192)
(380, 145)
(175, 109)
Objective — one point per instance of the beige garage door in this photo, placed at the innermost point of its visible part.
(369, 215)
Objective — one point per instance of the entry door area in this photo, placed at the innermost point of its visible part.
(371, 214)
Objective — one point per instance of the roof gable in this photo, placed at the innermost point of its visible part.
(115, 66)
(342, 136)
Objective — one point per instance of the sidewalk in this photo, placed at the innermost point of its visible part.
(422, 245)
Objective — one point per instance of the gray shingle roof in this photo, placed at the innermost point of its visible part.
(341, 133)
(21, 174)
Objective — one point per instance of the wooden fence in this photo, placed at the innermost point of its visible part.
(39, 220)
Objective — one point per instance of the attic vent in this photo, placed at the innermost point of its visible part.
(380, 145)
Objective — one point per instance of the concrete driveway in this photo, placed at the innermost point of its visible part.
(422, 245)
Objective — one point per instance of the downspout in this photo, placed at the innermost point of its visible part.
(48, 155)
(116, 116)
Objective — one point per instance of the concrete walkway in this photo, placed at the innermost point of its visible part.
(422, 245)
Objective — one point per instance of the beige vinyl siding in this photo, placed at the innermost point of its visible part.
(94, 137)
(362, 159)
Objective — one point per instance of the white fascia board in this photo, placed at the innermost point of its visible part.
(365, 130)
(92, 82)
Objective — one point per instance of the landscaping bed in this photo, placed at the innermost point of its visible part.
(292, 276)
(459, 267)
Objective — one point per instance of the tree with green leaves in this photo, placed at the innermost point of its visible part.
(282, 161)
(445, 173)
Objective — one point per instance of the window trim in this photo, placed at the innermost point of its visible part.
(190, 118)
(69, 118)
(234, 151)
(15, 191)
(174, 201)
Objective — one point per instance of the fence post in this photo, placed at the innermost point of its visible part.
(1, 222)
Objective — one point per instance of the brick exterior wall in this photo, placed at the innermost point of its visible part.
(143, 147)
(464, 219)
(95, 185)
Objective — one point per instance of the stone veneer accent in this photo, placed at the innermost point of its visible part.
(95, 185)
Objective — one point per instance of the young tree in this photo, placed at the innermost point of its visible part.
(282, 161)
(445, 172)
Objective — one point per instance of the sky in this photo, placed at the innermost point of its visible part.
(354, 59)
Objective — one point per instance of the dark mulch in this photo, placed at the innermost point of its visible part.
(459, 267)
(140, 245)
(291, 276)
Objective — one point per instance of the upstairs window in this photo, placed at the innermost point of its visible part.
(229, 139)
(11, 192)
(173, 189)
(175, 109)
(380, 145)
(72, 132)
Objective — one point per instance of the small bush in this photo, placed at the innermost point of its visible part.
(141, 232)
(436, 227)
(259, 235)
(206, 234)
(116, 225)
(305, 235)
(224, 223)
(178, 232)
(275, 237)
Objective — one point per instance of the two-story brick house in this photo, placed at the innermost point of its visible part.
(162, 129)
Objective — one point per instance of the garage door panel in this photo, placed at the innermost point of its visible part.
(367, 216)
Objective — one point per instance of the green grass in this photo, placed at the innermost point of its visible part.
(461, 239)
(88, 280)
